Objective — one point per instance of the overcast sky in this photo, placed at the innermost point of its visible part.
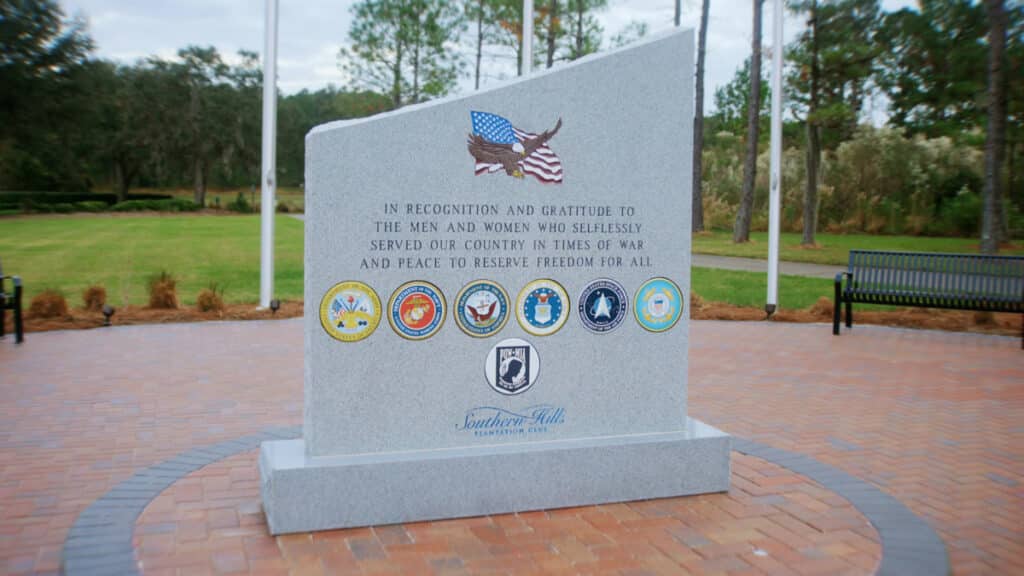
(311, 31)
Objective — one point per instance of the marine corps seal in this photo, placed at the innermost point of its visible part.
(416, 310)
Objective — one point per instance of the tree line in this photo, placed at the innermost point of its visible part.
(950, 74)
(71, 121)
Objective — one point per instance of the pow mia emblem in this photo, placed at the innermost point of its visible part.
(512, 366)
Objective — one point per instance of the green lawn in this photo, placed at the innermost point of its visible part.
(833, 248)
(750, 288)
(121, 253)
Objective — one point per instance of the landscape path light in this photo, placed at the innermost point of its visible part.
(108, 311)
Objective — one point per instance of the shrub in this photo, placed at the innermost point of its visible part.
(283, 208)
(211, 299)
(166, 205)
(91, 206)
(163, 291)
(960, 216)
(94, 297)
(240, 204)
(48, 304)
(63, 208)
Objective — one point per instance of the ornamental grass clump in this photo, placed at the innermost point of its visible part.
(211, 299)
(48, 304)
(94, 297)
(163, 292)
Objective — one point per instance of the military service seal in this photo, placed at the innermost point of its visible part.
(512, 366)
(350, 311)
(481, 308)
(417, 310)
(603, 305)
(658, 304)
(542, 307)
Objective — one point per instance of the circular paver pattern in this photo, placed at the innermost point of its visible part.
(771, 519)
(203, 512)
(932, 419)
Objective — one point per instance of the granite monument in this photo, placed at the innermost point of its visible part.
(497, 294)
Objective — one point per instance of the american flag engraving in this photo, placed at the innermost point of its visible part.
(496, 145)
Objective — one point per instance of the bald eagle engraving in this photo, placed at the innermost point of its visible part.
(497, 145)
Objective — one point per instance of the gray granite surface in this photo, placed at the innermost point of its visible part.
(625, 141)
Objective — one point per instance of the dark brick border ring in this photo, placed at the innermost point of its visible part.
(100, 541)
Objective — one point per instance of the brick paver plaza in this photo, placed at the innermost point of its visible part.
(934, 420)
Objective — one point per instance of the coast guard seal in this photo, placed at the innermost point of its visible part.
(542, 307)
(512, 366)
(481, 308)
(350, 311)
(658, 304)
(417, 310)
(602, 305)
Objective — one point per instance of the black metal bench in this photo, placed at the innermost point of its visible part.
(955, 281)
(11, 301)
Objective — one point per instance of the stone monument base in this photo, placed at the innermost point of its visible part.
(303, 494)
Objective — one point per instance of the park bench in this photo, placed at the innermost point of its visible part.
(11, 301)
(954, 281)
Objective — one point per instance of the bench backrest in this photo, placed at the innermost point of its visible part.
(938, 276)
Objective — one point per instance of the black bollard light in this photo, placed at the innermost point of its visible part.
(108, 311)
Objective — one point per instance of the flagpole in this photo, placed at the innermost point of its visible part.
(527, 37)
(268, 167)
(775, 181)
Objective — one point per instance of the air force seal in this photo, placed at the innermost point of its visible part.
(350, 311)
(602, 305)
(542, 307)
(512, 366)
(481, 308)
(417, 310)
(658, 304)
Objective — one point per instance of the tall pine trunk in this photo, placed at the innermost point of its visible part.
(199, 181)
(741, 230)
(698, 121)
(552, 31)
(479, 40)
(992, 217)
(813, 140)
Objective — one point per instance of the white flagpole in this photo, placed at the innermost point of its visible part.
(776, 163)
(268, 170)
(527, 37)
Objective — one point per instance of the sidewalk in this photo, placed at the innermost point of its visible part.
(756, 265)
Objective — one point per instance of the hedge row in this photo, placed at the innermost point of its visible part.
(30, 199)
(165, 205)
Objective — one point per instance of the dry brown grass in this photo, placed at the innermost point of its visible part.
(210, 300)
(163, 292)
(48, 304)
(94, 297)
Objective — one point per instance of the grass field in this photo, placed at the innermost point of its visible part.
(833, 248)
(122, 252)
(750, 288)
(69, 253)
